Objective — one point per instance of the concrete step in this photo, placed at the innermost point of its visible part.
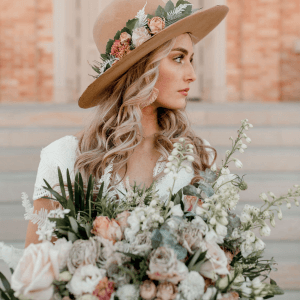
(216, 135)
(279, 159)
(201, 114)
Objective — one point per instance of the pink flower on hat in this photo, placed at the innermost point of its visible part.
(139, 36)
(119, 50)
(156, 24)
(125, 38)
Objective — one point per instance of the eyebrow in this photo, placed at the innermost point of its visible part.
(184, 51)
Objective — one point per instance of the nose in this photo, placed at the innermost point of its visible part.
(190, 73)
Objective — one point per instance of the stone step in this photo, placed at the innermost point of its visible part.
(201, 114)
(216, 135)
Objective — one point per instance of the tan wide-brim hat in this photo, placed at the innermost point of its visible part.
(114, 18)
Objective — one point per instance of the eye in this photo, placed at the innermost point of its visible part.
(178, 57)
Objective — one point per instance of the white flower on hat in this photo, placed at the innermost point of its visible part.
(139, 36)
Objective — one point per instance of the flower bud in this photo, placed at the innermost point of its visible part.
(65, 276)
(188, 169)
(181, 140)
(296, 202)
(264, 197)
(246, 127)
(190, 146)
(190, 158)
(241, 150)
(169, 165)
(238, 163)
(223, 221)
(272, 222)
(288, 205)
(272, 195)
(190, 150)
(167, 170)
(279, 214)
(250, 125)
(227, 152)
(248, 140)
(213, 221)
(174, 152)
(213, 168)
(243, 186)
(222, 283)
(244, 146)
(265, 231)
(171, 158)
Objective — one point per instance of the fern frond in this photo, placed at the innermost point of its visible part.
(36, 218)
(142, 16)
(174, 14)
(106, 178)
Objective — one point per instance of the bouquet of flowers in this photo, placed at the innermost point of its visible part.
(188, 246)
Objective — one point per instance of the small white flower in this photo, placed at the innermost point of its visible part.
(288, 205)
(248, 140)
(245, 218)
(235, 234)
(176, 211)
(174, 152)
(190, 146)
(171, 158)
(213, 168)
(65, 276)
(259, 244)
(265, 231)
(167, 170)
(279, 214)
(249, 236)
(250, 125)
(238, 163)
(264, 197)
(241, 150)
(272, 195)
(247, 248)
(227, 152)
(225, 171)
(190, 158)
(272, 222)
(181, 140)
(244, 146)
(169, 164)
(128, 292)
(188, 169)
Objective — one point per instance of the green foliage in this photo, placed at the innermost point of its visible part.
(109, 45)
(160, 12)
(7, 293)
(131, 24)
(196, 260)
(179, 2)
(169, 6)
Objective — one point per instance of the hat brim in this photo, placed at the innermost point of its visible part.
(198, 24)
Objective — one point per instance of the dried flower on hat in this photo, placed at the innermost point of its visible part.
(156, 24)
(139, 36)
(125, 38)
(119, 50)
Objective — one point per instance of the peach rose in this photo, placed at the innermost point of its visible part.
(139, 36)
(156, 24)
(104, 289)
(36, 271)
(122, 219)
(125, 38)
(189, 202)
(108, 229)
(148, 290)
(167, 291)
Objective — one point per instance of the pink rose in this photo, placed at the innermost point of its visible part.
(108, 229)
(36, 271)
(122, 219)
(217, 262)
(189, 202)
(156, 24)
(139, 36)
(148, 290)
(125, 38)
(167, 291)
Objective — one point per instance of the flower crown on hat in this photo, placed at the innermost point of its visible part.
(139, 30)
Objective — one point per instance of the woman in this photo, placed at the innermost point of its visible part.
(139, 98)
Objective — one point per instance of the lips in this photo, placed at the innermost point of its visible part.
(184, 92)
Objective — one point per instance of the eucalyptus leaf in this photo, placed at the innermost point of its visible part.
(208, 175)
(72, 237)
(160, 12)
(74, 224)
(109, 45)
(190, 190)
(117, 36)
(104, 56)
(131, 24)
(206, 188)
(169, 6)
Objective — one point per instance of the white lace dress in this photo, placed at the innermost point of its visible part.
(62, 153)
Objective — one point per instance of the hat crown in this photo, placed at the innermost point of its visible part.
(115, 16)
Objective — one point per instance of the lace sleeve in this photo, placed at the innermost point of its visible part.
(62, 153)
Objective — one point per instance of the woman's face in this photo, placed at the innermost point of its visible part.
(176, 72)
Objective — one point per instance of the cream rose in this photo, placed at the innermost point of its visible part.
(35, 272)
(165, 266)
(108, 229)
(156, 24)
(148, 290)
(63, 247)
(83, 252)
(217, 262)
(139, 36)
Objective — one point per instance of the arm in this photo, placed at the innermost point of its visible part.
(31, 236)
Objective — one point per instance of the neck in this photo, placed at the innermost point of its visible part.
(149, 122)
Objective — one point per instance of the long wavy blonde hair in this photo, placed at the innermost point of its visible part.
(114, 128)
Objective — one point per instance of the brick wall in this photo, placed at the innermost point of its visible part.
(261, 62)
(26, 58)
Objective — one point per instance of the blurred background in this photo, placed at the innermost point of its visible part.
(248, 67)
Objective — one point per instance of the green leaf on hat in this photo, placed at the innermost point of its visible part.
(149, 16)
(125, 29)
(109, 45)
(160, 12)
(188, 10)
(169, 6)
(131, 24)
(104, 56)
(117, 36)
(179, 2)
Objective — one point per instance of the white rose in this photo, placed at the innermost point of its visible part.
(217, 262)
(128, 292)
(85, 280)
(35, 272)
(139, 36)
